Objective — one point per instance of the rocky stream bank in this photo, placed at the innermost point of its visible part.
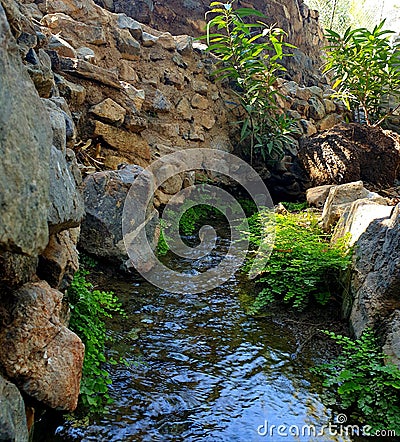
(84, 90)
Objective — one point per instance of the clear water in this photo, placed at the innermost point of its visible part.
(202, 371)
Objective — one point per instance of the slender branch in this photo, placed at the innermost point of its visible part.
(386, 116)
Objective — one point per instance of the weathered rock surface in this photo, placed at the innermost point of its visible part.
(316, 196)
(38, 352)
(162, 83)
(41, 74)
(130, 145)
(59, 261)
(13, 426)
(66, 209)
(25, 142)
(84, 69)
(358, 215)
(109, 111)
(16, 269)
(373, 299)
(58, 124)
(105, 194)
(341, 197)
(391, 345)
(349, 152)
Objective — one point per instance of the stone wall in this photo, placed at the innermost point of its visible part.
(188, 17)
(136, 93)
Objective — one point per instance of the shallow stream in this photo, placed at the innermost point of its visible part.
(203, 371)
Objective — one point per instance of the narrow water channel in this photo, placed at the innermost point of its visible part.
(202, 371)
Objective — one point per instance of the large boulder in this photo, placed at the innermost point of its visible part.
(105, 194)
(373, 298)
(352, 152)
(25, 142)
(39, 353)
(13, 426)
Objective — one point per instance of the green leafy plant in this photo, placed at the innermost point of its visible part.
(250, 56)
(189, 222)
(303, 264)
(364, 382)
(295, 207)
(89, 310)
(365, 71)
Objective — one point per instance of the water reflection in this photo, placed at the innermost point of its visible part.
(206, 372)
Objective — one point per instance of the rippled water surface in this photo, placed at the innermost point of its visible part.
(202, 371)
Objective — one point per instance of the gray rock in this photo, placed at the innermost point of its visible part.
(160, 102)
(374, 294)
(13, 426)
(133, 26)
(104, 195)
(58, 125)
(31, 57)
(139, 9)
(70, 129)
(391, 346)
(66, 208)
(315, 90)
(25, 142)
(16, 269)
(86, 54)
(148, 40)
(26, 41)
(73, 166)
(184, 44)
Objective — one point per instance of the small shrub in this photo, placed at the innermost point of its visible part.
(303, 264)
(365, 70)
(89, 309)
(362, 381)
(250, 56)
